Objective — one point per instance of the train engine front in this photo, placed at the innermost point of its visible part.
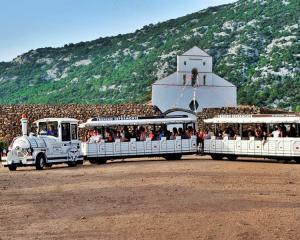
(23, 149)
(55, 142)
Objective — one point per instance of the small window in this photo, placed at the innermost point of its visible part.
(65, 132)
(204, 63)
(74, 132)
(184, 79)
(204, 80)
(184, 63)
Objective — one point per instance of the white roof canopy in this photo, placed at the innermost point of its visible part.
(131, 121)
(257, 118)
(57, 120)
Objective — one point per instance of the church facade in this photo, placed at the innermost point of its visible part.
(193, 86)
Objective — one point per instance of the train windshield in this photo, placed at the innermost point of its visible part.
(48, 128)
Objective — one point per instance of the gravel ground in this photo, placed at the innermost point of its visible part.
(195, 198)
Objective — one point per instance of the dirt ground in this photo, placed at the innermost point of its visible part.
(195, 198)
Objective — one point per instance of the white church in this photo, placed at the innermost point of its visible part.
(194, 86)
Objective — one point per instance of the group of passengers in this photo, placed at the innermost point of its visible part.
(258, 131)
(139, 133)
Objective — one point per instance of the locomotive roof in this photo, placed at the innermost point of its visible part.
(57, 120)
(130, 121)
(256, 118)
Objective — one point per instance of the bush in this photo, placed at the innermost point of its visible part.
(3, 145)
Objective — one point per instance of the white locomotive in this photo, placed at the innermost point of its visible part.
(56, 141)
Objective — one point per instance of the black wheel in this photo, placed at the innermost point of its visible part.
(12, 167)
(297, 160)
(101, 161)
(72, 164)
(40, 162)
(80, 162)
(232, 157)
(173, 156)
(216, 156)
(92, 161)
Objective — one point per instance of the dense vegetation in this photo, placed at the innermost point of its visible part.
(255, 45)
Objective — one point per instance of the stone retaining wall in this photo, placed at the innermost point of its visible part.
(10, 114)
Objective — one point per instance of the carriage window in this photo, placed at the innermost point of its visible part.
(184, 79)
(48, 128)
(74, 132)
(204, 80)
(65, 132)
(184, 62)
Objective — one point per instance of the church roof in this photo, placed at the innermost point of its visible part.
(195, 51)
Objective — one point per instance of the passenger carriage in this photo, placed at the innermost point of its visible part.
(273, 147)
(100, 152)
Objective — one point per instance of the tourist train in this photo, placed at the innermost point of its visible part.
(171, 136)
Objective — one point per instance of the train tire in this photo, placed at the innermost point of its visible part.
(80, 162)
(40, 162)
(72, 164)
(216, 156)
(12, 167)
(92, 161)
(173, 156)
(232, 157)
(101, 161)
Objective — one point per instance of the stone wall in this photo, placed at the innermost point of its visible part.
(10, 115)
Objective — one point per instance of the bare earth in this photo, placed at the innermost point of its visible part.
(196, 198)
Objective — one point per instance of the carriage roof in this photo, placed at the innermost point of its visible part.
(255, 118)
(71, 120)
(138, 121)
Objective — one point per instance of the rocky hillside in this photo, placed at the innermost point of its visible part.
(255, 45)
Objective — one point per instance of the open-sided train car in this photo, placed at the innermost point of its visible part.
(280, 137)
(101, 151)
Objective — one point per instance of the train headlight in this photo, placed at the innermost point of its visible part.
(29, 151)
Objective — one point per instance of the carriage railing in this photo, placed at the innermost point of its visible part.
(284, 147)
(140, 148)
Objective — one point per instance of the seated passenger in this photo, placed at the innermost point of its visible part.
(96, 137)
(108, 136)
(219, 133)
(142, 133)
(118, 135)
(152, 135)
(275, 133)
(258, 132)
(160, 134)
(51, 131)
(291, 131)
(174, 134)
(126, 133)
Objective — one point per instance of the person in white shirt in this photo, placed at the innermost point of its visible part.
(276, 133)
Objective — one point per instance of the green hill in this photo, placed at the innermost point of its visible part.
(255, 45)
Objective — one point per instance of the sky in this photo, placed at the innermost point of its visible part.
(31, 24)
